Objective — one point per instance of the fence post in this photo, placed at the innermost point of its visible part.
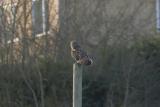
(77, 85)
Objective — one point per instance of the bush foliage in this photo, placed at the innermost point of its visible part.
(120, 76)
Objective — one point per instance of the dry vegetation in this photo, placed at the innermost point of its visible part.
(37, 72)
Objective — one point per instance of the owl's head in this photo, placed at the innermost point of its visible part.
(74, 45)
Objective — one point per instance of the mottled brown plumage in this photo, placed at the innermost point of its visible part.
(79, 55)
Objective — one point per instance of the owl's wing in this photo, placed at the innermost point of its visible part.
(85, 61)
(84, 58)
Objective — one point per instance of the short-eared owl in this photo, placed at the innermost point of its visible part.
(79, 55)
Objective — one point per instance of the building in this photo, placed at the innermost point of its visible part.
(27, 27)
(92, 20)
(33, 18)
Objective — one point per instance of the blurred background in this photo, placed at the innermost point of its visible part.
(122, 36)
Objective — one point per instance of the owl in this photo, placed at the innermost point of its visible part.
(79, 55)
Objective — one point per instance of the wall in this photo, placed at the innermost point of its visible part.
(92, 20)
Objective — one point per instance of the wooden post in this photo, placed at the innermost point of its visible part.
(77, 85)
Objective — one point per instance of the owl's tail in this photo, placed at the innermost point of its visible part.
(89, 62)
(85, 61)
